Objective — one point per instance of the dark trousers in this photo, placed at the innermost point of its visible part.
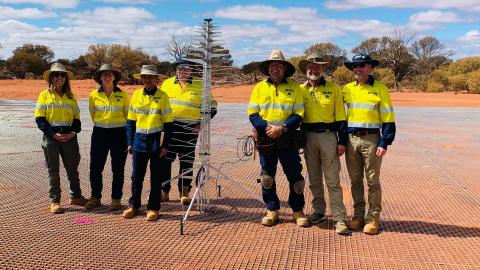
(52, 150)
(103, 141)
(140, 162)
(292, 167)
(184, 141)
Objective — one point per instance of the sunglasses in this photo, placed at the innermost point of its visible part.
(360, 65)
(183, 67)
(59, 74)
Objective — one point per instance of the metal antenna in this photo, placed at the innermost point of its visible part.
(206, 52)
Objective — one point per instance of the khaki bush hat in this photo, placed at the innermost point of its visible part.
(106, 67)
(57, 67)
(148, 70)
(314, 58)
(276, 56)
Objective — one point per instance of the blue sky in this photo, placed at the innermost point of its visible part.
(250, 29)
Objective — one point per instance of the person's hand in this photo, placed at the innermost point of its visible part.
(274, 131)
(163, 151)
(381, 151)
(341, 150)
(129, 149)
(196, 128)
(70, 136)
(60, 137)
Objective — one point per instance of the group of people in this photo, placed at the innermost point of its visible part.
(155, 125)
(158, 124)
(279, 106)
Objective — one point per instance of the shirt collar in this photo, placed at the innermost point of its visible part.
(284, 80)
(320, 81)
(370, 80)
(151, 92)
(190, 80)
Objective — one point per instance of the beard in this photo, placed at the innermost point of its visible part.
(314, 77)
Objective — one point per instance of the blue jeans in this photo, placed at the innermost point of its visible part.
(292, 167)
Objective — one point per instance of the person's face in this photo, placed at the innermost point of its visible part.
(107, 77)
(184, 72)
(361, 71)
(58, 78)
(314, 71)
(149, 81)
(276, 70)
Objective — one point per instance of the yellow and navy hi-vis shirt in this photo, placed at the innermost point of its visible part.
(149, 112)
(59, 111)
(109, 112)
(276, 104)
(323, 103)
(368, 105)
(186, 102)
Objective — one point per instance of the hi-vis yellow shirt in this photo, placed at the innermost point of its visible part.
(368, 106)
(276, 104)
(58, 110)
(323, 103)
(149, 111)
(186, 102)
(108, 112)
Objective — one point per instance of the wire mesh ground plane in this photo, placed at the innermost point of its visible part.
(431, 215)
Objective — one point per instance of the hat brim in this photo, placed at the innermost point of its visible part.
(373, 63)
(46, 74)
(185, 62)
(302, 65)
(138, 76)
(98, 73)
(263, 67)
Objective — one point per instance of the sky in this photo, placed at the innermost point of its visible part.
(250, 29)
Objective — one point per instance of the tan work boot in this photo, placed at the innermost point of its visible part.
(55, 208)
(116, 204)
(129, 213)
(185, 196)
(300, 219)
(271, 218)
(152, 215)
(80, 201)
(372, 227)
(356, 223)
(341, 227)
(92, 203)
(164, 197)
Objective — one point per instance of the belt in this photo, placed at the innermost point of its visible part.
(364, 132)
(320, 130)
(62, 129)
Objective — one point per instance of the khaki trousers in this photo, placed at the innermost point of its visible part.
(361, 159)
(322, 161)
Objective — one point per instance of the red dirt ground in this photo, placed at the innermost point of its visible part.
(29, 89)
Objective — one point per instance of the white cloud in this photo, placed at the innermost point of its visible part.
(24, 13)
(432, 18)
(126, 1)
(467, 5)
(470, 36)
(265, 13)
(47, 3)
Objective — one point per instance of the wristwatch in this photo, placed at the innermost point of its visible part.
(284, 128)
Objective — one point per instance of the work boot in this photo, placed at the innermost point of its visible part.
(164, 197)
(300, 219)
(152, 215)
(116, 205)
(55, 208)
(129, 213)
(356, 223)
(271, 218)
(80, 201)
(316, 218)
(92, 203)
(372, 226)
(341, 227)
(185, 196)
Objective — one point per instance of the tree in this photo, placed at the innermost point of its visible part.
(29, 58)
(429, 53)
(42, 51)
(332, 53)
(342, 76)
(177, 49)
(251, 69)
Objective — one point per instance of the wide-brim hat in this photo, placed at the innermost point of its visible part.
(57, 67)
(148, 70)
(184, 62)
(106, 67)
(312, 58)
(276, 56)
(361, 58)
